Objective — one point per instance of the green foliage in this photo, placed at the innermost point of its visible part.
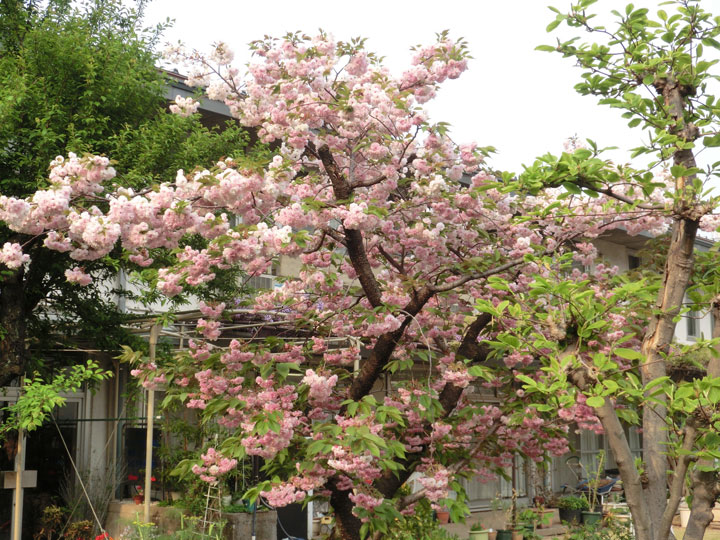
(640, 56)
(74, 78)
(572, 502)
(71, 77)
(83, 78)
(40, 398)
(190, 529)
(162, 144)
(611, 529)
(420, 524)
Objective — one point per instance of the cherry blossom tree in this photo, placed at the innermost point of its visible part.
(400, 233)
(426, 280)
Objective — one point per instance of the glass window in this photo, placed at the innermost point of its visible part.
(693, 324)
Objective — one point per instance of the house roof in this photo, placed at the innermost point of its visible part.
(213, 112)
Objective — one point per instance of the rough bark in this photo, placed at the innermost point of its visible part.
(469, 349)
(678, 268)
(661, 328)
(704, 494)
(705, 484)
(626, 465)
(12, 326)
(347, 525)
(353, 238)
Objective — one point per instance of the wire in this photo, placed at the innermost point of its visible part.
(77, 473)
(112, 435)
(287, 534)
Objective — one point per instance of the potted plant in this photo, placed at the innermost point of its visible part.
(571, 508)
(443, 516)
(498, 504)
(139, 496)
(478, 532)
(528, 519)
(515, 532)
(591, 515)
(547, 517)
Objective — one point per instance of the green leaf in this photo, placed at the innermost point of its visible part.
(712, 141)
(595, 402)
(627, 354)
(684, 392)
(553, 25)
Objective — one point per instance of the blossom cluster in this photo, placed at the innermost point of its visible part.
(214, 465)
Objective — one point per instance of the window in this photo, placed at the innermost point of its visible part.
(480, 493)
(520, 479)
(633, 262)
(693, 324)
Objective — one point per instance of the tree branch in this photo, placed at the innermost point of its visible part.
(678, 480)
(468, 349)
(384, 347)
(391, 481)
(354, 239)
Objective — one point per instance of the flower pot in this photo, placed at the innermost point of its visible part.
(571, 516)
(139, 499)
(591, 518)
(547, 519)
(684, 517)
(479, 535)
(443, 516)
(518, 534)
(504, 534)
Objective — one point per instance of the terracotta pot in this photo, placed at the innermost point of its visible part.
(443, 516)
(547, 521)
(139, 499)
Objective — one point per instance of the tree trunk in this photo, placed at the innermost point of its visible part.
(661, 328)
(347, 525)
(704, 494)
(705, 487)
(677, 484)
(12, 326)
(678, 268)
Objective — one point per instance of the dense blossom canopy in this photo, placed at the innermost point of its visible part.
(411, 251)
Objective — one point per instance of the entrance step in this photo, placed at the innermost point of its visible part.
(554, 530)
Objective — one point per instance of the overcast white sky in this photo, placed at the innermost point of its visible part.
(512, 97)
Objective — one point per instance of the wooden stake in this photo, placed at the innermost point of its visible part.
(149, 426)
